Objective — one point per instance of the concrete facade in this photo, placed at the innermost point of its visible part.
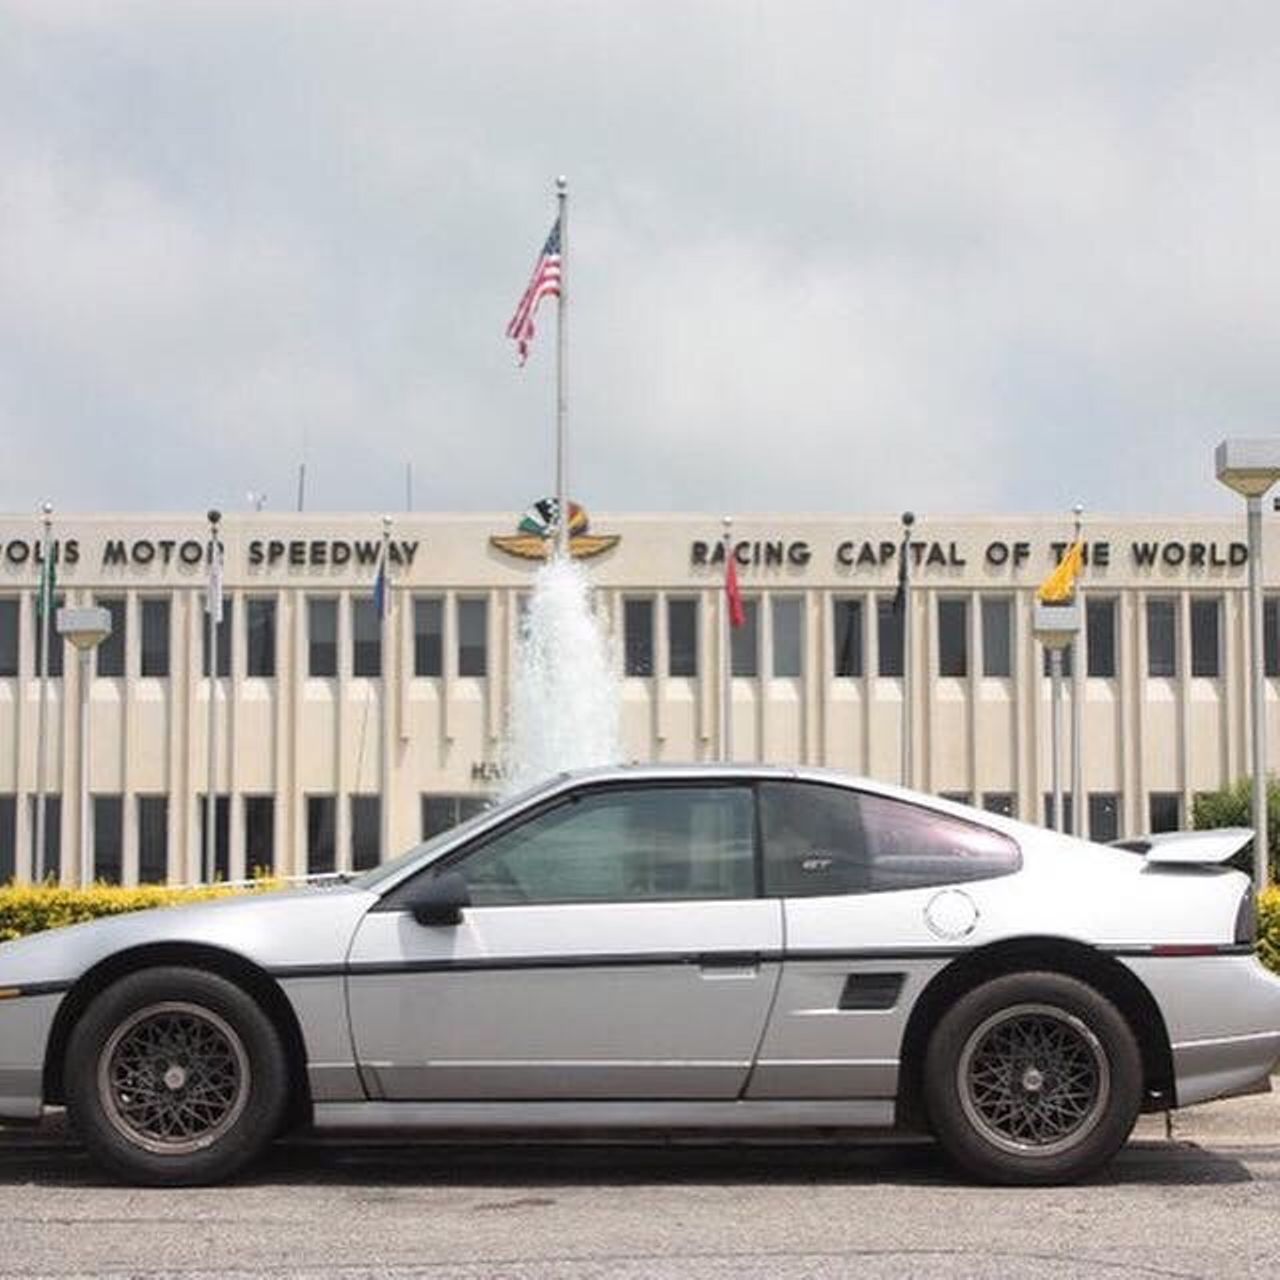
(293, 735)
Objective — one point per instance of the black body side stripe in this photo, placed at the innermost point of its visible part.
(702, 959)
(21, 989)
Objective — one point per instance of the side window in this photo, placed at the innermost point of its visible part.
(827, 840)
(646, 844)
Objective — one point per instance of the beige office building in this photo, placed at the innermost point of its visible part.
(341, 738)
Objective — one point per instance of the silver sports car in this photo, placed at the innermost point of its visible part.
(720, 949)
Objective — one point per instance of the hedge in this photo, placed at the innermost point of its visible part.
(30, 908)
(26, 908)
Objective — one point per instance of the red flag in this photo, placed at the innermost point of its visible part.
(732, 592)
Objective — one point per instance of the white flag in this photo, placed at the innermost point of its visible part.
(213, 598)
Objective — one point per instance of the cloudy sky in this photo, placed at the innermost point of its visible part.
(832, 257)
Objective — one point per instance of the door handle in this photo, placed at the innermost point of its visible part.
(729, 964)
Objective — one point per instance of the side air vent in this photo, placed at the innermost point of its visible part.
(871, 990)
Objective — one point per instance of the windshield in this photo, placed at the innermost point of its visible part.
(423, 852)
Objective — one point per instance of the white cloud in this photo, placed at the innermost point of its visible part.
(824, 256)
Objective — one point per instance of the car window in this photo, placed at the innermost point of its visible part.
(618, 845)
(825, 840)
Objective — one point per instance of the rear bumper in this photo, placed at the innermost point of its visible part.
(1223, 1017)
(25, 1022)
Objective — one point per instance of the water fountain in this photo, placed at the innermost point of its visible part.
(565, 697)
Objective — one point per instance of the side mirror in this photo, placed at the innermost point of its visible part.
(441, 900)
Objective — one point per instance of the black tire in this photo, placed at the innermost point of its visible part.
(175, 1077)
(1032, 1079)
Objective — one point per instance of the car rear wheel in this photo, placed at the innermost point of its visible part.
(1032, 1078)
(175, 1077)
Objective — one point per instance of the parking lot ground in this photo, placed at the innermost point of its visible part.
(1204, 1203)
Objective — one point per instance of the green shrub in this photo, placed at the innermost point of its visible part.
(31, 908)
(1233, 807)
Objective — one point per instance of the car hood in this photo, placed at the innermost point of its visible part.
(275, 930)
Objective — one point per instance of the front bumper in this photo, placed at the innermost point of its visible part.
(25, 1023)
(1223, 1017)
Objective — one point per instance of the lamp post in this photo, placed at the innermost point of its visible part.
(1250, 468)
(86, 629)
(1056, 626)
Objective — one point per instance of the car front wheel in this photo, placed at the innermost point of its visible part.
(1033, 1078)
(175, 1077)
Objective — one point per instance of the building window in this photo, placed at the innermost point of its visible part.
(997, 636)
(744, 641)
(682, 638)
(953, 637)
(889, 636)
(1271, 635)
(221, 836)
(155, 638)
(637, 637)
(473, 637)
(224, 634)
(366, 836)
(1100, 637)
(8, 838)
(108, 839)
(1164, 810)
(153, 839)
(1068, 814)
(259, 835)
(1104, 816)
(1162, 638)
(322, 637)
(9, 631)
(1000, 802)
(1206, 654)
(846, 617)
(956, 797)
(321, 851)
(788, 636)
(443, 812)
(57, 646)
(48, 865)
(428, 636)
(260, 636)
(110, 653)
(366, 638)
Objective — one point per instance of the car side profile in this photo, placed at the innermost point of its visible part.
(660, 948)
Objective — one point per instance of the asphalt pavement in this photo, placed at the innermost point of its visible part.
(1203, 1200)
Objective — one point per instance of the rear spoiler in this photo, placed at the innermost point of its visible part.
(1189, 847)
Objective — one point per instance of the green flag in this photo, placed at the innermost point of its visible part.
(48, 585)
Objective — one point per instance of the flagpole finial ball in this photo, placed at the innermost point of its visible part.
(728, 523)
(1078, 509)
(46, 508)
(214, 516)
(908, 518)
(386, 524)
(562, 184)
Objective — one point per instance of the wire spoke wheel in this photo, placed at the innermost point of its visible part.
(173, 1077)
(1033, 1080)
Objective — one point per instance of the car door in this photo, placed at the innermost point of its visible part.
(615, 947)
(880, 894)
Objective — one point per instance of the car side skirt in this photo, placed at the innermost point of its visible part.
(586, 1116)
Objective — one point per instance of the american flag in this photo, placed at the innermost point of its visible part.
(545, 282)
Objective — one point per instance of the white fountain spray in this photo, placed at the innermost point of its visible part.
(565, 698)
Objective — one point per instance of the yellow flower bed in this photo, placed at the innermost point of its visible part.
(30, 908)
(1269, 928)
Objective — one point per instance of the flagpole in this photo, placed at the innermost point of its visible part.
(43, 607)
(1079, 809)
(213, 616)
(562, 387)
(1055, 728)
(908, 519)
(726, 653)
(384, 710)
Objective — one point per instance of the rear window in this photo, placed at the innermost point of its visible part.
(826, 840)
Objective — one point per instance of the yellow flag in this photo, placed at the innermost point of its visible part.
(1060, 585)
